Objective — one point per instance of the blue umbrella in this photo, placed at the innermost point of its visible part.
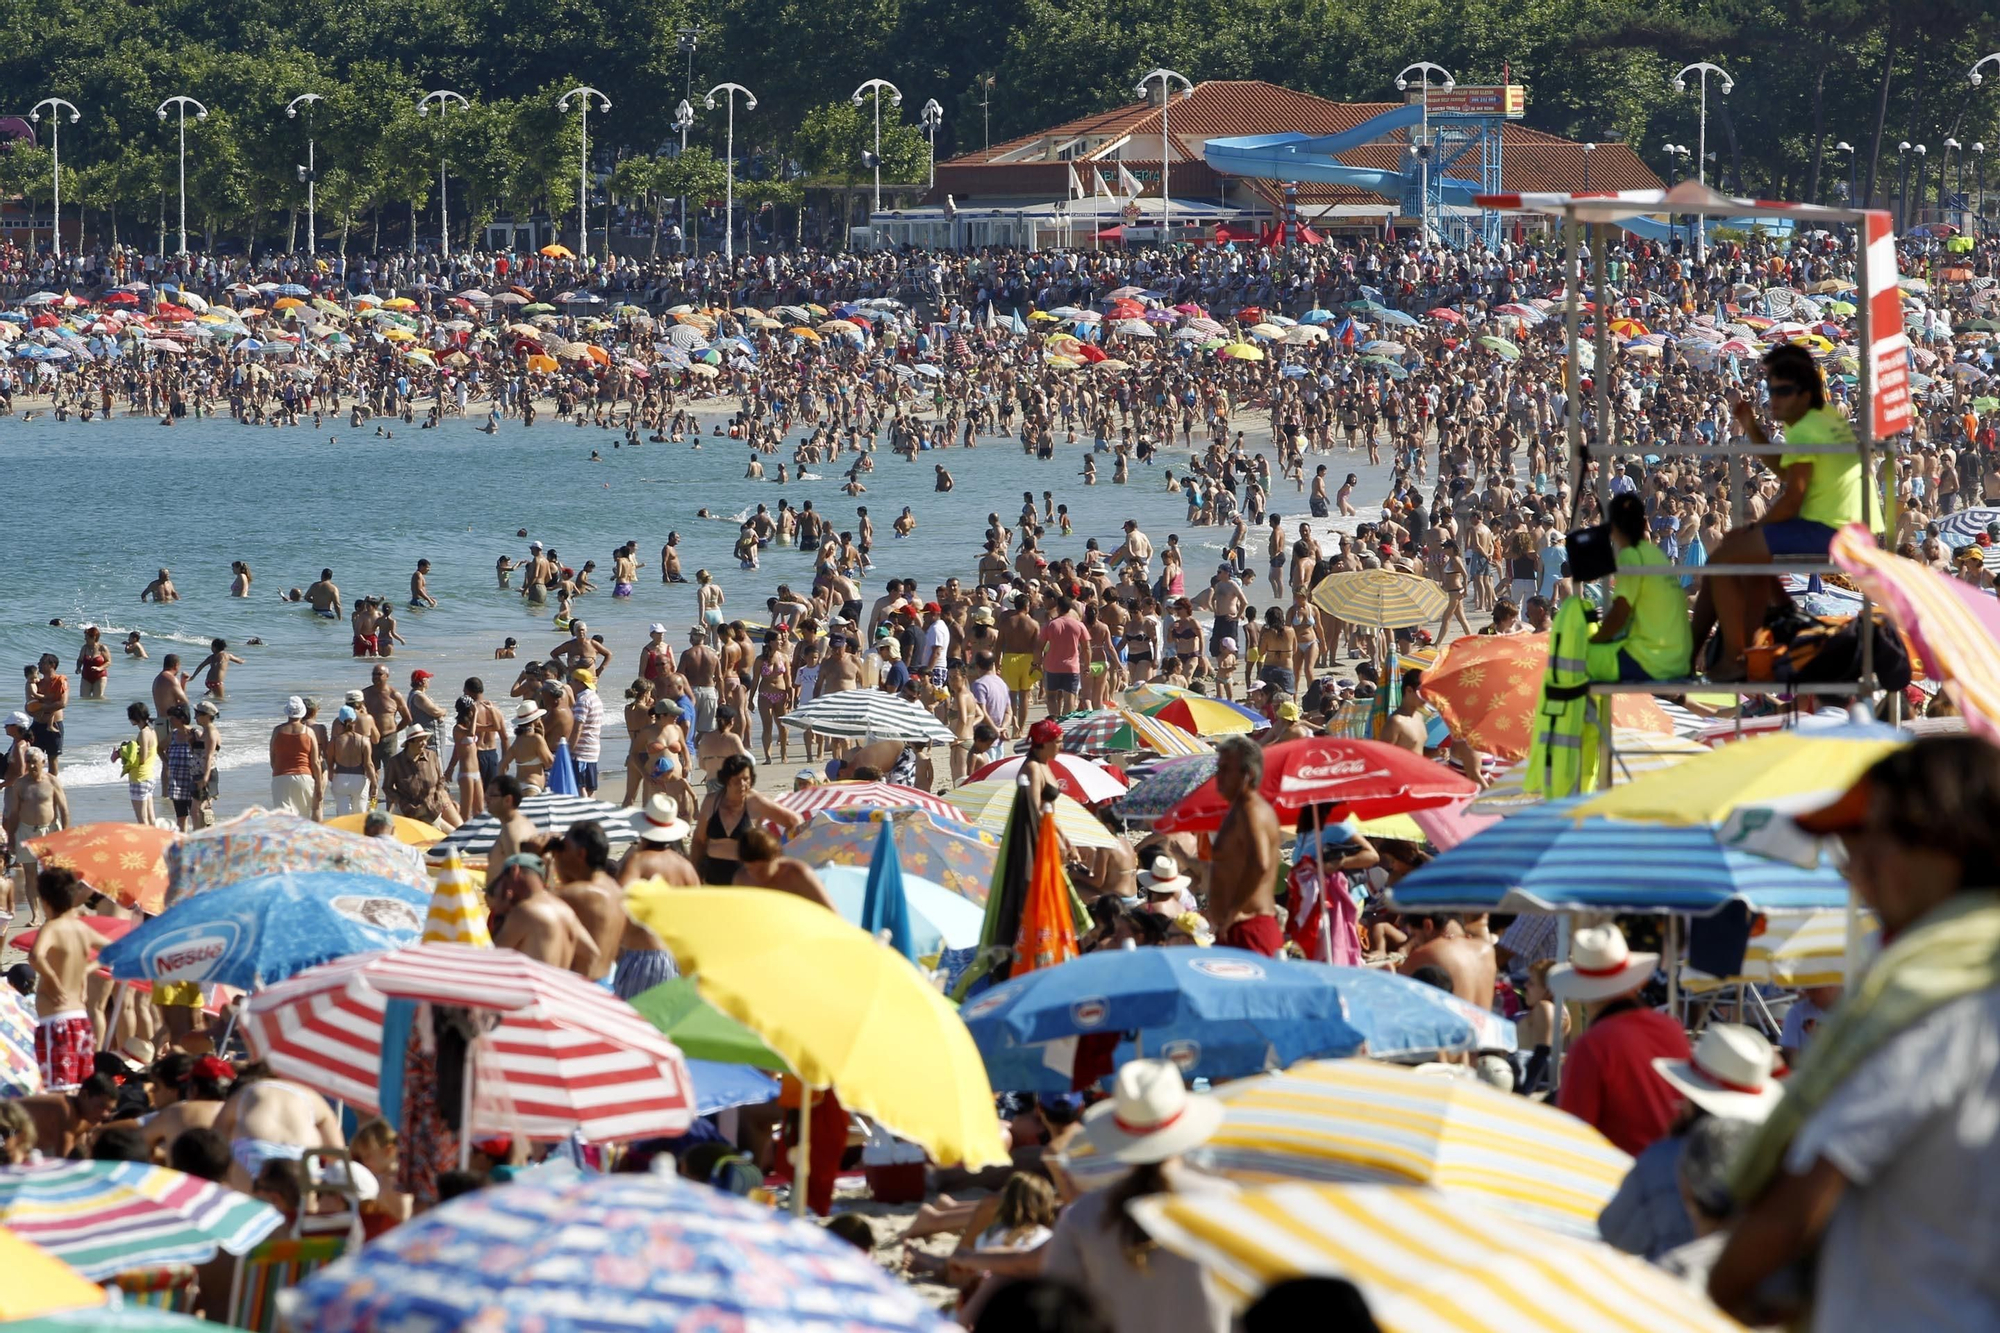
(1545, 859)
(1318, 316)
(938, 917)
(885, 908)
(1388, 316)
(265, 929)
(292, 289)
(596, 1254)
(1217, 1013)
(1406, 1017)
(562, 773)
(717, 1087)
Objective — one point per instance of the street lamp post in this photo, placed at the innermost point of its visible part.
(876, 87)
(1923, 162)
(1845, 147)
(200, 113)
(444, 97)
(729, 91)
(1588, 149)
(986, 83)
(1944, 165)
(930, 118)
(309, 173)
(583, 166)
(1979, 190)
(1702, 68)
(684, 121)
(1168, 78)
(56, 107)
(1677, 156)
(1425, 69)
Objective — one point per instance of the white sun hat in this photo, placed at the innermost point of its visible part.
(1151, 1115)
(1600, 966)
(1729, 1074)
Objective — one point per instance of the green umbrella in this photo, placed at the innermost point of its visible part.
(1508, 351)
(1980, 326)
(1987, 404)
(115, 1318)
(538, 308)
(702, 1031)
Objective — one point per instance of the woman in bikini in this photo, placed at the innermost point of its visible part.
(773, 674)
(464, 763)
(729, 811)
(1304, 620)
(530, 754)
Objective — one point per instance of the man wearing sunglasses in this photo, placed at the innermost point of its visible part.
(1821, 493)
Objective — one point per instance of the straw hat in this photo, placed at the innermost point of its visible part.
(1600, 967)
(527, 713)
(1151, 1115)
(662, 821)
(1729, 1074)
(1163, 876)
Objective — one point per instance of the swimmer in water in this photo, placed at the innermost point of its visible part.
(505, 652)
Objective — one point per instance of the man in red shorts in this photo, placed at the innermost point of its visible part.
(65, 1043)
(1242, 880)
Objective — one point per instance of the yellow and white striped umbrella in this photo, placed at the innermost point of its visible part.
(989, 803)
(1379, 598)
(1795, 949)
(1424, 1262)
(458, 907)
(1635, 752)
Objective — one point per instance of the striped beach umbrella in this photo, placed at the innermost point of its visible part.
(458, 908)
(1633, 753)
(867, 715)
(989, 803)
(1794, 949)
(1209, 717)
(1119, 730)
(549, 813)
(1424, 1262)
(102, 1218)
(1083, 779)
(1954, 625)
(1379, 598)
(568, 1055)
(863, 796)
(20, 1073)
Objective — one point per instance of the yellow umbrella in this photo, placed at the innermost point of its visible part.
(1380, 598)
(1791, 949)
(544, 364)
(1424, 1261)
(843, 1009)
(804, 332)
(399, 303)
(1633, 753)
(287, 303)
(399, 335)
(1789, 769)
(558, 252)
(1243, 352)
(414, 832)
(38, 1283)
(988, 804)
(458, 908)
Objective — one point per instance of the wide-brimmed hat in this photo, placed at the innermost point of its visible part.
(527, 713)
(1600, 966)
(662, 821)
(1729, 1074)
(1163, 875)
(1151, 1115)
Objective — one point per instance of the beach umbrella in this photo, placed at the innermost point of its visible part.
(1544, 859)
(549, 813)
(1046, 934)
(1954, 626)
(868, 715)
(102, 1218)
(944, 850)
(1118, 730)
(863, 796)
(885, 913)
(936, 917)
(844, 1012)
(458, 908)
(988, 804)
(40, 1285)
(262, 930)
(598, 1252)
(1506, 351)
(1163, 785)
(1379, 598)
(1787, 771)
(124, 861)
(262, 842)
(1487, 688)
(701, 1031)
(1425, 1260)
(112, 1319)
(1202, 716)
(563, 1055)
(414, 832)
(1243, 352)
(1364, 778)
(1633, 753)
(1080, 779)
(20, 1072)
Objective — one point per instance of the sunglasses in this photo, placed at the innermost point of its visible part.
(1778, 389)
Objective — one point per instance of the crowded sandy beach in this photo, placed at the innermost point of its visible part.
(1356, 782)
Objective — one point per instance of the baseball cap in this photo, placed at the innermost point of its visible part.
(932, 608)
(421, 674)
(353, 697)
(584, 676)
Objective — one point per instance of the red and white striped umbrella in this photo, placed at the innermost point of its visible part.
(1081, 779)
(864, 796)
(567, 1055)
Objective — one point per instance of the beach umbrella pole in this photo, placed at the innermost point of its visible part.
(1673, 961)
(1556, 1028)
(802, 1158)
(465, 1113)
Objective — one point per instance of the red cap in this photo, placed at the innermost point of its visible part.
(1845, 815)
(420, 674)
(1044, 731)
(933, 608)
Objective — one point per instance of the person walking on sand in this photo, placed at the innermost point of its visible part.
(295, 783)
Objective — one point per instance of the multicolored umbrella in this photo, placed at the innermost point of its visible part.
(1954, 626)
(127, 861)
(989, 803)
(1379, 598)
(1154, 693)
(20, 1073)
(625, 1252)
(458, 908)
(1209, 717)
(951, 852)
(262, 930)
(1365, 778)
(262, 842)
(1165, 785)
(1081, 780)
(1487, 687)
(862, 796)
(566, 1055)
(102, 1218)
(1425, 1262)
(1119, 730)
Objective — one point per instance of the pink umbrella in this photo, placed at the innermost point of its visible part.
(1078, 777)
(865, 796)
(564, 1055)
(1954, 626)
(1448, 316)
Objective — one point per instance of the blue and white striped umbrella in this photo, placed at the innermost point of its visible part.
(598, 1254)
(1544, 860)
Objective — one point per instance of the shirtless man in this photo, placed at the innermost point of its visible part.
(39, 807)
(489, 730)
(161, 589)
(1137, 550)
(65, 1041)
(1438, 939)
(385, 705)
(1020, 648)
(1224, 598)
(269, 1119)
(703, 670)
(537, 923)
(420, 591)
(764, 868)
(670, 560)
(715, 747)
(324, 596)
(169, 689)
(503, 801)
(581, 859)
(1242, 877)
(65, 1121)
(1405, 728)
(1275, 549)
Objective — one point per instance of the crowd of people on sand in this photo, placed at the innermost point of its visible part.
(1446, 366)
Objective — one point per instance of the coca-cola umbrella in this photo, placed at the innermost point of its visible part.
(1366, 779)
